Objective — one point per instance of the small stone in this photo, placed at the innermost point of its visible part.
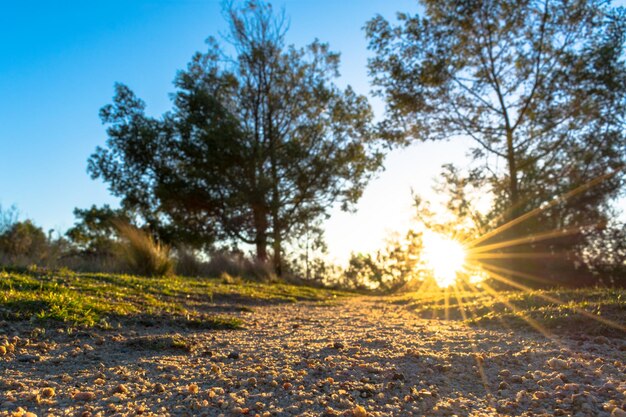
(601, 340)
(618, 412)
(121, 389)
(338, 345)
(503, 385)
(287, 385)
(556, 363)
(517, 379)
(359, 411)
(47, 392)
(3, 350)
(233, 355)
(193, 389)
(252, 381)
(84, 396)
(159, 388)
(99, 381)
(216, 369)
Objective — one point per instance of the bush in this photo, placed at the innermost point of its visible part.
(187, 263)
(142, 254)
(23, 243)
(237, 265)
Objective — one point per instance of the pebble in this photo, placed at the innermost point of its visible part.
(84, 396)
(48, 392)
(557, 364)
(618, 412)
(359, 411)
(602, 340)
(121, 389)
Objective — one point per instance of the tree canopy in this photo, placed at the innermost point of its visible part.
(540, 87)
(260, 142)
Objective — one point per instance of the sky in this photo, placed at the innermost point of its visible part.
(58, 64)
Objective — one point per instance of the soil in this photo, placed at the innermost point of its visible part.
(358, 357)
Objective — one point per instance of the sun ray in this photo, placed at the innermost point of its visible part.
(542, 208)
(526, 239)
(477, 357)
(546, 297)
(471, 287)
(447, 303)
(532, 322)
(515, 255)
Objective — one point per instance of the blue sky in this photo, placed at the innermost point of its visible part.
(59, 61)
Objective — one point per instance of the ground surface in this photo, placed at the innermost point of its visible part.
(354, 356)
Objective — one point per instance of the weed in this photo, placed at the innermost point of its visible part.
(143, 255)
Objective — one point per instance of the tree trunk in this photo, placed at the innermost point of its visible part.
(513, 181)
(278, 267)
(260, 224)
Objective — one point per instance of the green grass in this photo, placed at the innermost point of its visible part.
(100, 299)
(605, 308)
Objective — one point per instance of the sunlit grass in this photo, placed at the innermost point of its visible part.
(99, 299)
(592, 310)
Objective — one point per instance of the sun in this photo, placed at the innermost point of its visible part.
(445, 257)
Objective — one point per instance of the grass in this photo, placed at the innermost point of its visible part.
(605, 308)
(142, 254)
(87, 299)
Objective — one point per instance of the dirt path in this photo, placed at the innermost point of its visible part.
(359, 357)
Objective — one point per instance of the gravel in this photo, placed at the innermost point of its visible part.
(363, 357)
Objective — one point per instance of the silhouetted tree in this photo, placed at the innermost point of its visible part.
(258, 143)
(95, 230)
(540, 86)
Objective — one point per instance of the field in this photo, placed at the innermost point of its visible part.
(96, 344)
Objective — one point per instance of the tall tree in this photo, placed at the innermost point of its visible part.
(539, 85)
(259, 143)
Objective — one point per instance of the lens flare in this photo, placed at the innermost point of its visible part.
(444, 257)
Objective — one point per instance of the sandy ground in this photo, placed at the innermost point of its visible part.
(361, 357)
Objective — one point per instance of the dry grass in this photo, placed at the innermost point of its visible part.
(142, 254)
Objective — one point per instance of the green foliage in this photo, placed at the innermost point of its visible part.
(24, 241)
(108, 299)
(142, 254)
(257, 144)
(398, 266)
(541, 90)
(94, 232)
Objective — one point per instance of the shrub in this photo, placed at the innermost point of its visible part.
(187, 263)
(237, 265)
(142, 254)
(24, 243)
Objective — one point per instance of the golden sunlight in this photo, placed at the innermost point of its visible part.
(444, 256)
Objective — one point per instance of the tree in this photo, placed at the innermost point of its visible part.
(96, 232)
(258, 145)
(24, 241)
(540, 86)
